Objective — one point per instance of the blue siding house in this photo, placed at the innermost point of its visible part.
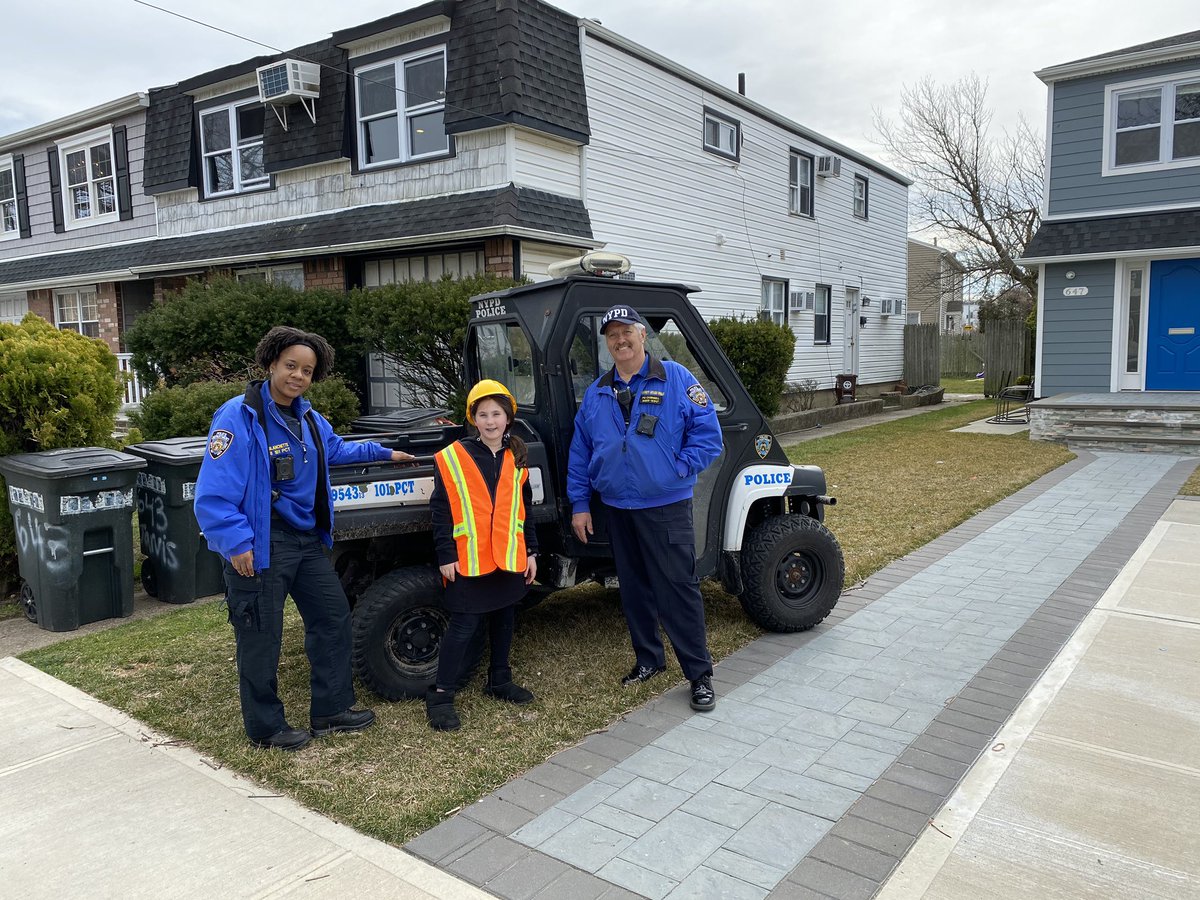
(1119, 244)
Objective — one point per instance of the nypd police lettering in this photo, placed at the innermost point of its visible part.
(489, 308)
(783, 477)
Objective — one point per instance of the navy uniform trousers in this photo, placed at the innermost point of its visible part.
(299, 567)
(655, 553)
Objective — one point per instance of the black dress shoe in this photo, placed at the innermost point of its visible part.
(350, 720)
(289, 739)
(704, 698)
(641, 674)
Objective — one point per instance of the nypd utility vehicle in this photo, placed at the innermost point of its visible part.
(758, 518)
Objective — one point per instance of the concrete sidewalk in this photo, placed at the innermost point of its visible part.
(1092, 788)
(95, 804)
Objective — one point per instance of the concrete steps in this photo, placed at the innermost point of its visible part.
(1134, 422)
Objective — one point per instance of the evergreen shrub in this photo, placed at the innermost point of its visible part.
(761, 352)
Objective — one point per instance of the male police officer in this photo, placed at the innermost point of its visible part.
(643, 433)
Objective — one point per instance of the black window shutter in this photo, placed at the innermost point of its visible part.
(56, 198)
(22, 197)
(121, 154)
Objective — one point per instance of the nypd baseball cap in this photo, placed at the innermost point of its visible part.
(627, 315)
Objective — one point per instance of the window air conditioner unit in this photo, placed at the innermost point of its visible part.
(829, 166)
(290, 81)
(800, 301)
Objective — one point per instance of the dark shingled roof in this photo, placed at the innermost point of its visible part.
(515, 61)
(508, 206)
(1116, 234)
(1190, 37)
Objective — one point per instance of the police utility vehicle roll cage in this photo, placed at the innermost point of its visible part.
(758, 518)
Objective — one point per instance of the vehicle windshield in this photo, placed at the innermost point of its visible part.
(502, 352)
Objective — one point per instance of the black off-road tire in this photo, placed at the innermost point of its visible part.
(398, 624)
(792, 569)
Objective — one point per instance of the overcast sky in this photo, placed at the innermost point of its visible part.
(825, 64)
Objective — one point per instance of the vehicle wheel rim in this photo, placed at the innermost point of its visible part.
(798, 576)
(415, 638)
(28, 603)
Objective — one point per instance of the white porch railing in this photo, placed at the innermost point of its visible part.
(134, 392)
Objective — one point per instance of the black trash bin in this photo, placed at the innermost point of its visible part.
(73, 511)
(178, 566)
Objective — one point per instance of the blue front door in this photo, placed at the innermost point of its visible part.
(1173, 329)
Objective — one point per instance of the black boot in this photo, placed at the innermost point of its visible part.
(439, 707)
(500, 686)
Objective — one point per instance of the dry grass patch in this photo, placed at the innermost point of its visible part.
(1191, 487)
(898, 485)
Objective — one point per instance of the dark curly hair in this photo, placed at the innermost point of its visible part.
(519, 451)
(279, 338)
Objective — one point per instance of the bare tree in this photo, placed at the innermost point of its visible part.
(982, 193)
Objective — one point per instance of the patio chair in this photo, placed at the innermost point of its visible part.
(1012, 404)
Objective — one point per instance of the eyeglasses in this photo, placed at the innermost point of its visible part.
(625, 399)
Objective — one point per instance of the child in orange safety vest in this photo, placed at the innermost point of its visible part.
(487, 559)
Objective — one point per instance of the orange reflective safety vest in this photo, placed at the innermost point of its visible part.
(488, 535)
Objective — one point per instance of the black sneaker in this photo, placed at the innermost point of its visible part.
(349, 720)
(704, 698)
(641, 674)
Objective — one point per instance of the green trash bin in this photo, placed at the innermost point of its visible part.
(73, 512)
(178, 566)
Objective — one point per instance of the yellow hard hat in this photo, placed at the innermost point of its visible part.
(487, 388)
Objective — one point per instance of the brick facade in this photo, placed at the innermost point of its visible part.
(499, 257)
(325, 272)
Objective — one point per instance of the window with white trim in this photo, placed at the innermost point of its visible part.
(1152, 125)
(89, 179)
(284, 276)
(722, 135)
(231, 143)
(10, 222)
(401, 109)
(860, 196)
(800, 184)
(76, 310)
(428, 267)
(774, 299)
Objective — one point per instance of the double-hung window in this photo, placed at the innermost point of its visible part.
(10, 223)
(231, 140)
(75, 310)
(821, 315)
(774, 299)
(401, 109)
(860, 196)
(722, 135)
(1152, 125)
(800, 184)
(89, 179)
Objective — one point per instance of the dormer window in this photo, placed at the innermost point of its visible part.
(231, 141)
(401, 108)
(1152, 125)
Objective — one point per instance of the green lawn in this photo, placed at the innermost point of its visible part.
(898, 485)
(961, 385)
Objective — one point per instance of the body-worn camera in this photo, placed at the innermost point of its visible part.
(283, 468)
(646, 424)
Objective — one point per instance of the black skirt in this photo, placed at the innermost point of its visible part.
(485, 593)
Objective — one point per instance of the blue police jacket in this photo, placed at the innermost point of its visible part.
(233, 490)
(629, 468)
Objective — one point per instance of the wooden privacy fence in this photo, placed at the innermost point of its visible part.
(962, 354)
(1007, 354)
(921, 353)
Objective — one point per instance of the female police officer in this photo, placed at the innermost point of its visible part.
(264, 503)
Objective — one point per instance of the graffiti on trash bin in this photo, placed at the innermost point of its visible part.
(152, 525)
(75, 504)
(151, 482)
(19, 496)
(50, 544)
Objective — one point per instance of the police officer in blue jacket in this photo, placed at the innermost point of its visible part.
(643, 433)
(263, 501)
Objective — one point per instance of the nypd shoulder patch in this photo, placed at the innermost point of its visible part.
(696, 395)
(219, 442)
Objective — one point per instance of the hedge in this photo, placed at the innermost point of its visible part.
(761, 352)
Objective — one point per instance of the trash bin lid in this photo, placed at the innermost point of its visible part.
(184, 451)
(69, 462)
(393, 421)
